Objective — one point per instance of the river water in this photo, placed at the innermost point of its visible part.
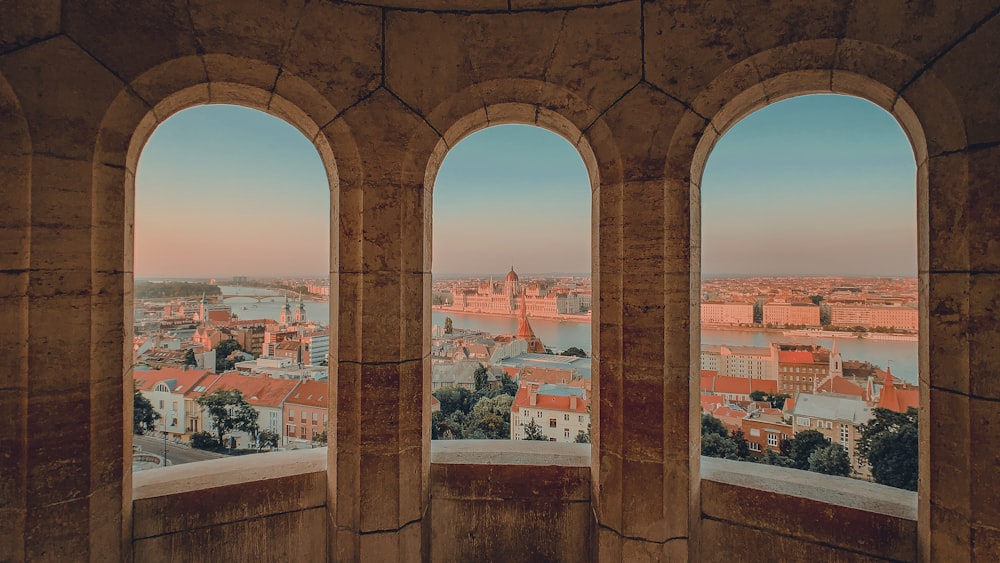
(560, 335)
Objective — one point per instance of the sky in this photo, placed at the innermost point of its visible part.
(814, 185)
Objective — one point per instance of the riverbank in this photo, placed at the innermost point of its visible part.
(559, 317)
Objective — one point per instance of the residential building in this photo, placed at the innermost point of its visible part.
(559, 410)
(839, 418)
(265, 394)
(173, 391)
(791, 314)
(305, 413)
(721, 313)
(873, 316)
(764, 431)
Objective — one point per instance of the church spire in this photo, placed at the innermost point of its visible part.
(524, 330)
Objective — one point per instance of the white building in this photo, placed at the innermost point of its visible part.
(560, 411)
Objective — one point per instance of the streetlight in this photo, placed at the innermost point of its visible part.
(171, 413)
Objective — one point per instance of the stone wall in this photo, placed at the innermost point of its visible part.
(384, 89)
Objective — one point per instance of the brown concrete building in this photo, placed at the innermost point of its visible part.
(383, 89)
(791, 314)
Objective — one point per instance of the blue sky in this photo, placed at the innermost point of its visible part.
(811, 185)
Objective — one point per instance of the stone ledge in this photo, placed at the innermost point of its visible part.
(215, 473)
(212, 493)
(840, 491)
(509, 452)
(799, 508)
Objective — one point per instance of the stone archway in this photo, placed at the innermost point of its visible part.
(935, 132)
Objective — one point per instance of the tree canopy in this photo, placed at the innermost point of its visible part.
(229, 412)
(573, 351)
(222, 352)
(831, 460)
(889, 442)
(171, 289)
(533, 432)
(143, 416)
(712, 425)
(803, 445)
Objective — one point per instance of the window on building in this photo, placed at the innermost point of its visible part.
(754, 446)
(552, 423)
(772, 440)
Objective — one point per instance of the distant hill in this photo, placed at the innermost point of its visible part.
(172, 289)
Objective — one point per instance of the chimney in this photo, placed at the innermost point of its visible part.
(572, 402)
(532, 398)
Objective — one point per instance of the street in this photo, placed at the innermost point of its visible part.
(175, 454)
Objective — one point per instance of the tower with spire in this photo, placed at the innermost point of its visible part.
(300, 312)
(524, 330)
(203, 309)
(887, 397)
(286, 312)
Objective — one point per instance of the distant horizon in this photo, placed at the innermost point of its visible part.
(802, 187)
(220, 280)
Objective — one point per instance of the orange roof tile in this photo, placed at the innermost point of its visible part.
(311, 393)
(258, 391)
(795, 357)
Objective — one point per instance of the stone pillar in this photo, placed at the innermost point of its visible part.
(66, 492)
(644, 470)
(383, 371)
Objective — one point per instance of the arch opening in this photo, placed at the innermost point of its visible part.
(513, 285)
(809, 252)
(232, 282)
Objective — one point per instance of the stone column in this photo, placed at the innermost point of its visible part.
(383, 372)
(644, 469)
(66, 492)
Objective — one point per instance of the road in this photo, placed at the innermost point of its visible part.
(175, 454)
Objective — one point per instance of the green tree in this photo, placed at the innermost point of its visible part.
(533, 432)
(222, 352)
(740, 441)
(143, 416)
(491, 418)
(582, 437)
(771, 458)
(803, 445)
(758, 396)
(267, 439)
(573, 351)
(189, 359)
(712, 425)
(229, 412)
(777, 401)
(715, 445)
(816, 299)
(831, 460)
(448, 327)
(482, 378)
(204, 441)
(321, 438)
(889, 442)
(453, 398)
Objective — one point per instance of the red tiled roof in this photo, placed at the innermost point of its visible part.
(544, 401)
(791, 357)
(838, 384)
(184, 379)
(311, 393)
(736, 385)
(258, 391)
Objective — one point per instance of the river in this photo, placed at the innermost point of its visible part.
(560, 335)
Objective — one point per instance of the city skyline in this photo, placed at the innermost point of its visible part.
(519, 195)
